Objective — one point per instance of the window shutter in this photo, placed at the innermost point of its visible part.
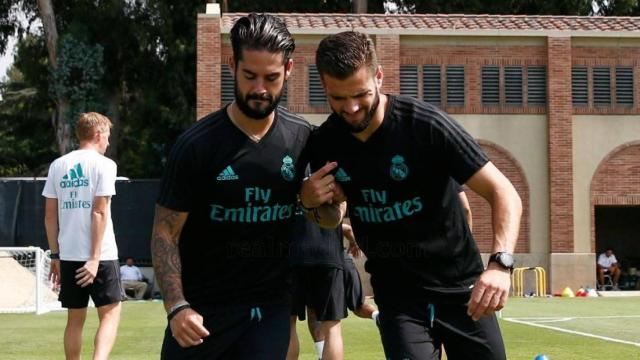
(455, 85)
(601, 86)
(431, 88)
(624, 86)
(579, 86)
(537, 85)
(490, 85)
(513, 85)
(226, 85)
(409, 80)
(316, 91)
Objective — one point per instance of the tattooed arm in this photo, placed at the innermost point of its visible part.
(186, 325)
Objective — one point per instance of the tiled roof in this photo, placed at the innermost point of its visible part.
(304, 21)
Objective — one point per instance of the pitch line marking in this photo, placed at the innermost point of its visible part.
(605, 338)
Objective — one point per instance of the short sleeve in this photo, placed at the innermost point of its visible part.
(49, 190)
(106, 183)
(176, 188)
(458, 152)
(316, 157)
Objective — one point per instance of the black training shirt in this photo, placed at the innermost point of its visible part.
(402, 190)
(241, 198)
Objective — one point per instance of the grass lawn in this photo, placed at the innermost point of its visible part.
(27, 336)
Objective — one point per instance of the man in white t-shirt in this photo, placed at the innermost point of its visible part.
(80, 234)
(132, 278)
(607, 263)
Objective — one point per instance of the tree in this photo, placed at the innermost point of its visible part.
(618, 7)
(526, 7)
(27, 143)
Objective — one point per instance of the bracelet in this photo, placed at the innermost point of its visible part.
(54, 256)
(304, 208)
(175, 309)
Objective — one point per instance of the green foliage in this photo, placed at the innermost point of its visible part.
(326, 6)
(27, 143)
(145, 75)
(618, 7)
(78, 75)
(525, 7)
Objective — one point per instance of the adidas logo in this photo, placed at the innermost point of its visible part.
(75, 178)
(342, 176)
(227, 174)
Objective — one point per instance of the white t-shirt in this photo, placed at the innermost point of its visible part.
(74, 180)
(130, 273)
(606, 261)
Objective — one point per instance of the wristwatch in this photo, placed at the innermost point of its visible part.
(504, 259)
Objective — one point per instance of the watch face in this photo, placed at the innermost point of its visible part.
(506, 259)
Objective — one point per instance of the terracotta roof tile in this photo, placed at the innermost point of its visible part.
(307, 21)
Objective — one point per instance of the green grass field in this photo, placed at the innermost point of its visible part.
(27, 336)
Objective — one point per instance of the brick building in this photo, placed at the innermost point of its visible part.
(553, 100)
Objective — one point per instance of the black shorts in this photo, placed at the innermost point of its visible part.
(352, 284)
(241, 332)
(408, 332)
(321, 289)
(105, 290)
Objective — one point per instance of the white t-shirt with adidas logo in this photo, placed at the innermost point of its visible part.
(74, 180)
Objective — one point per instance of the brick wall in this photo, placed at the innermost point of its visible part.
(616, 181)
(208, 65)
(608, 57)
(388, 51)
(480, 209)
(474, 58)
(560, 144)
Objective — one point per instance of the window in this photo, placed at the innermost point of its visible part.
(409, 80)
(579, 86)
(226, 85)
(601, 86)
(490, 85)
(513, 85)
(624, 86)
(536, 85)
(431, 88)
(316, 91)
(455, 85)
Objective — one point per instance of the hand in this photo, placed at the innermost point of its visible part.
(319, 187)
(187, 328)
(87, 273)
(354, 250)
(338, 194)
(54, 273)
(490, 292)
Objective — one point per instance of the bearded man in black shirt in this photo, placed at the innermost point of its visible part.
(399, 162)
(224, 213)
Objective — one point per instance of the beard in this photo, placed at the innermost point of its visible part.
(364, 123)
(258, 113)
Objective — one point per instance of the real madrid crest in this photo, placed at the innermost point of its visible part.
(287, 169)
(399, 170)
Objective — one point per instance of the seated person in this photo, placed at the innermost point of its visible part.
(607, 263)
(132, 278)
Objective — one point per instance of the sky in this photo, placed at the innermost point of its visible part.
(7, 59)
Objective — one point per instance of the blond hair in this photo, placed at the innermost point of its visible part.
(90, 123)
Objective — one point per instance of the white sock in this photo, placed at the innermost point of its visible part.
(319, 348)
(374, 315)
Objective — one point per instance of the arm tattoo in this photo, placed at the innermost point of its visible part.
(167, 264)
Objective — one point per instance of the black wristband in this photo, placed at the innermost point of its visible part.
(54, 256)
(175, 311)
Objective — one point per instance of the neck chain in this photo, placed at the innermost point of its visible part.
(252, 137)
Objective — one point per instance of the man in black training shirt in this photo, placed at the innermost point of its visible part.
(223, 217)
(398, 163)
